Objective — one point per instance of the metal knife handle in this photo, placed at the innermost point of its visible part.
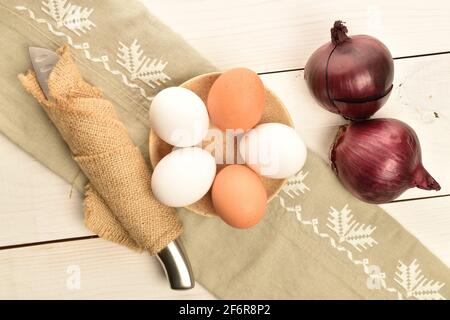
(176, 266)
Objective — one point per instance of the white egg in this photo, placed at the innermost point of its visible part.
(183, 176)
(179, 117)
(273, 150)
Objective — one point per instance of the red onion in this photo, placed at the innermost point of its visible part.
(377, 160)
(350, 76)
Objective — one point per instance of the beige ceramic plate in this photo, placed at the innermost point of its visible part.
(274, 112)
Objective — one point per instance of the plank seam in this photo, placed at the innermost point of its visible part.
(419, 198)
(396, 58)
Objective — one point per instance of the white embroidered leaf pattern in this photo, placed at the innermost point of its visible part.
(360, 236)
(130, 58)
(340, 221)
(295, 185)
(73, 17)
(77, 19)
(410, 278)
(152, 72)
(348, 230)
(149, 71)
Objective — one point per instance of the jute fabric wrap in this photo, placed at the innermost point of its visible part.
(119, 177)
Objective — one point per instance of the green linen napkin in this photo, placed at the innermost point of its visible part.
(316, 240)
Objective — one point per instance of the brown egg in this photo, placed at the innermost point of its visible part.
(238, 196)
(236, 99)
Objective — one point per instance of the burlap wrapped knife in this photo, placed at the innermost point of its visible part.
(119, 189)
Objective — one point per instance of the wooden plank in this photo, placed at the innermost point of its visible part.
(87, 269)
(266, 36)
(281, 34)
(36, 204)
(109, 271)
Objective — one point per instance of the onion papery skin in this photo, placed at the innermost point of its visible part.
(377, 160)
(351, 76)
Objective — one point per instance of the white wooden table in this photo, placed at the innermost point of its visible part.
(44, 246)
